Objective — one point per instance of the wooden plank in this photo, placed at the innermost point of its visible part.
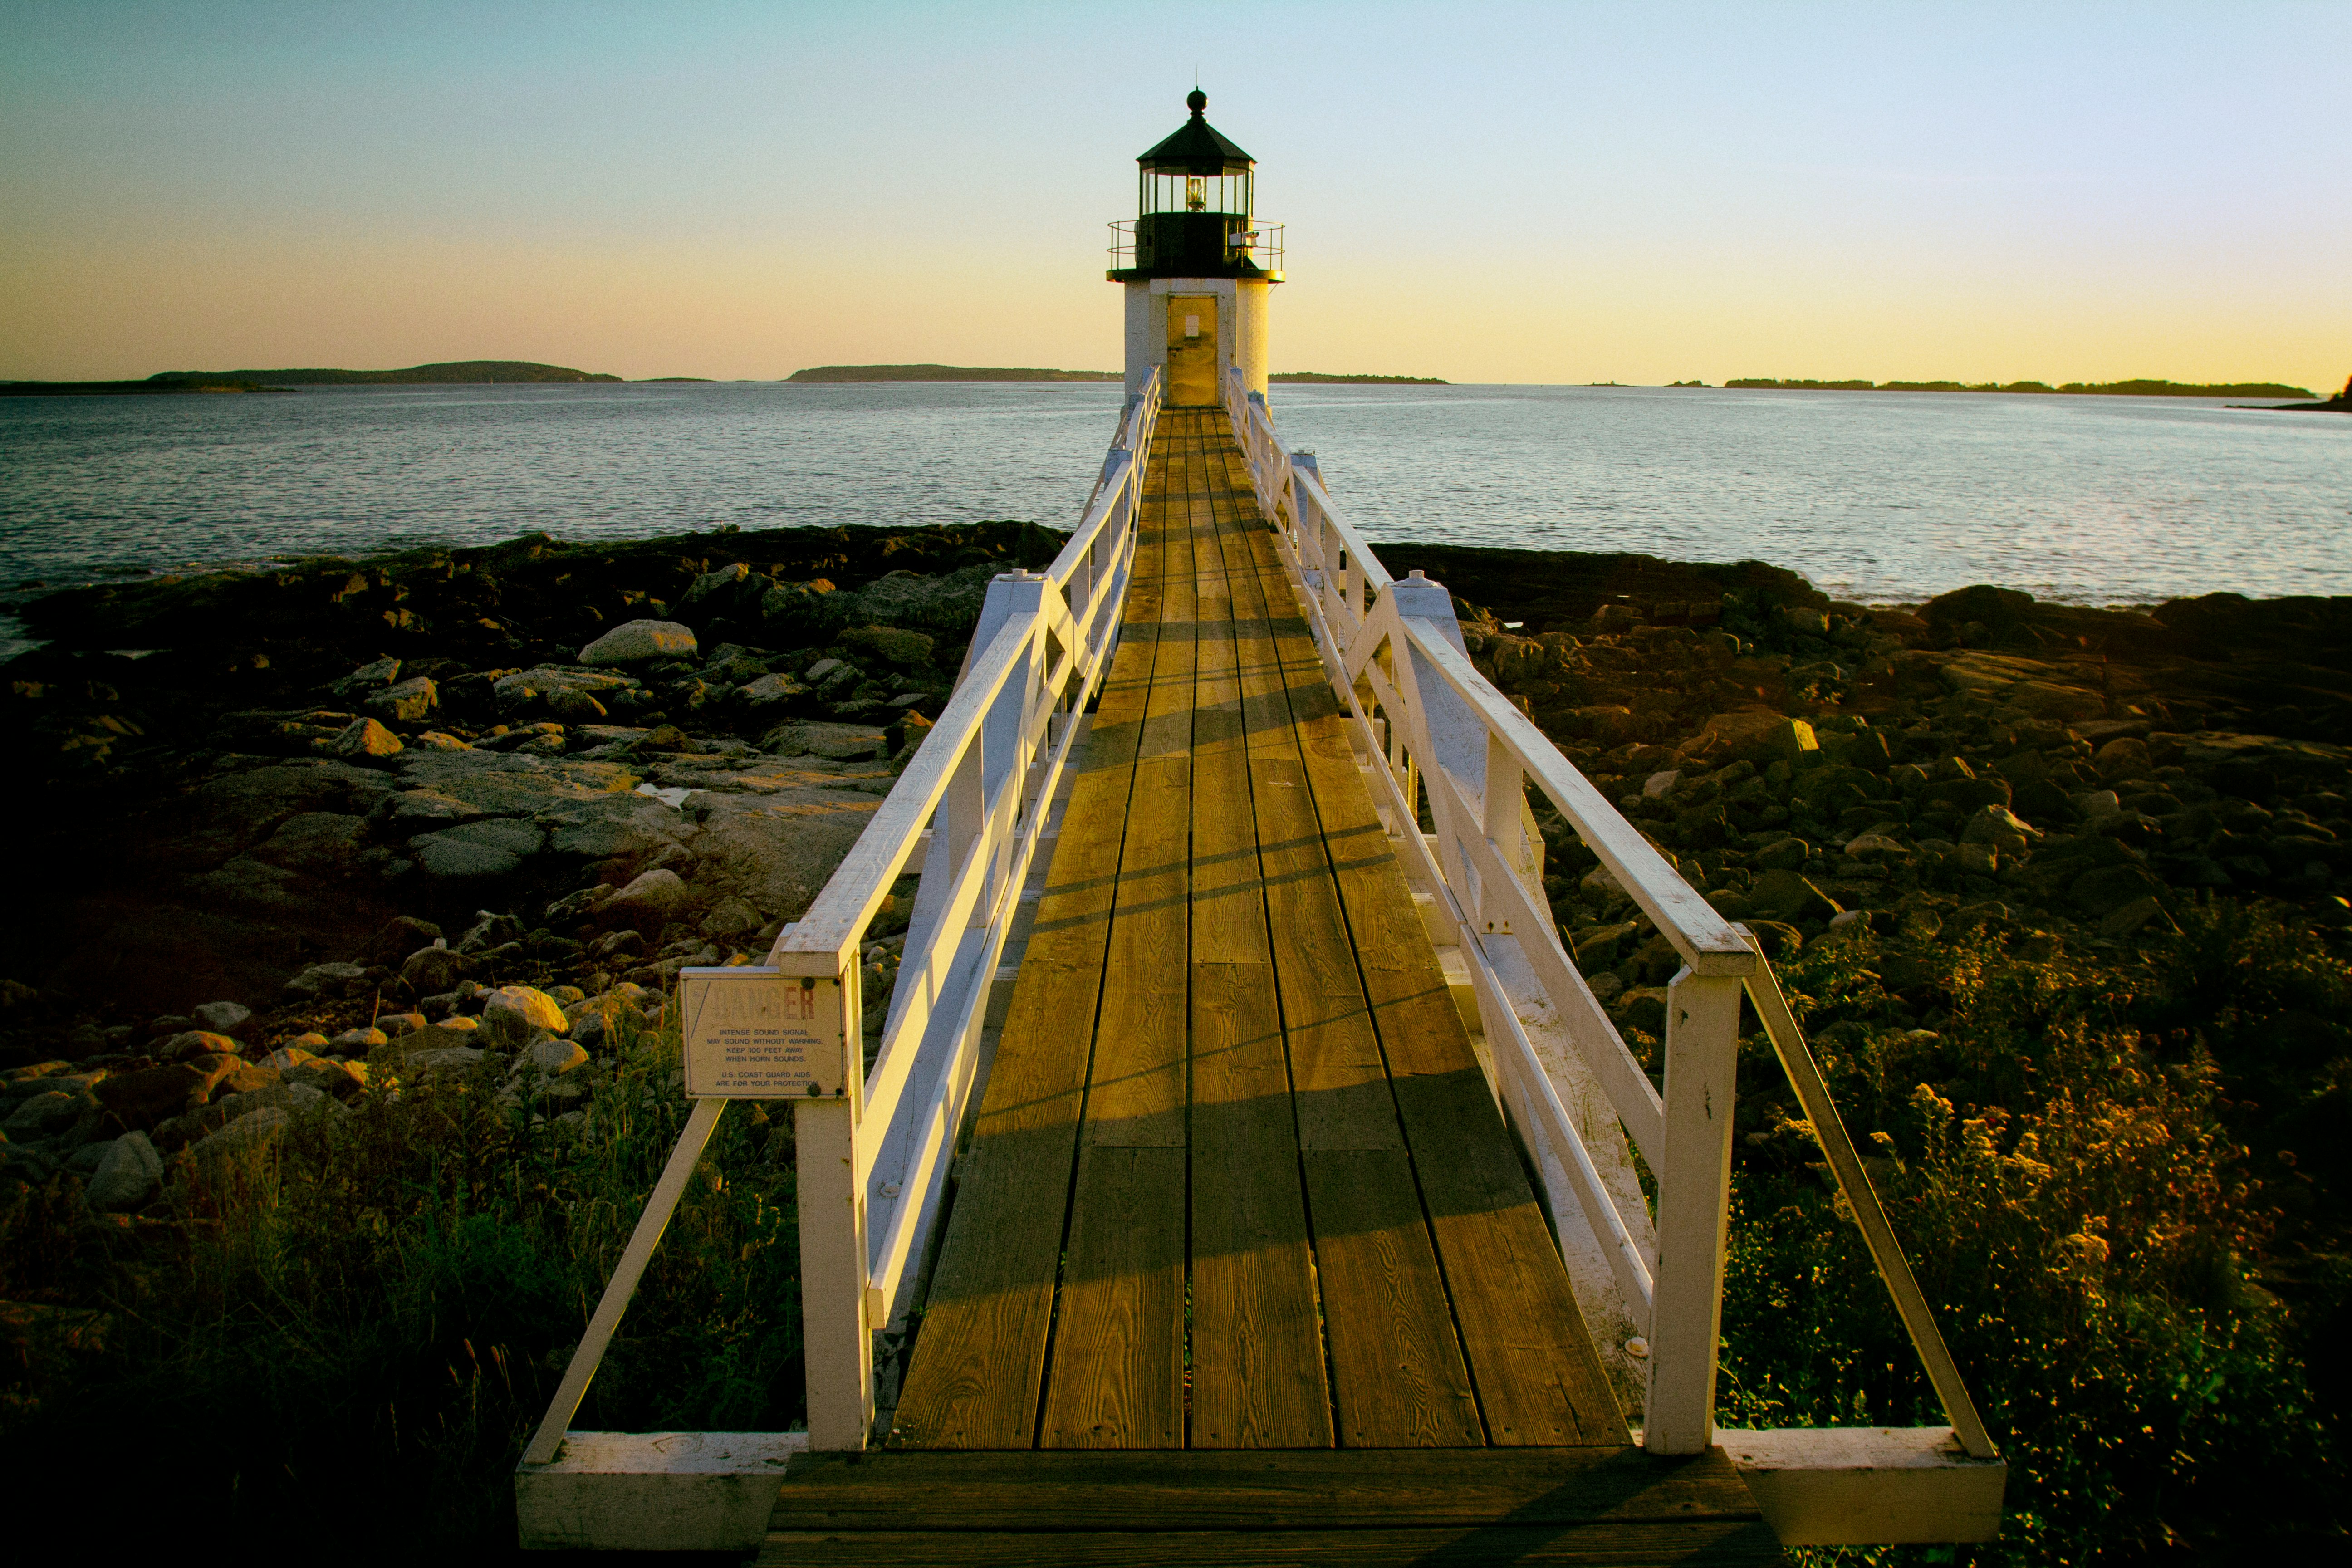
(1135, 1092)
(979, 1361)
(1540, 1380)
(1397, 1374)
(1116, 1378)
(1257, 1347)
(1300, 1489)
(1716, 1544)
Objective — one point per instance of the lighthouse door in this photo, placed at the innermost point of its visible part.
(1192, 350)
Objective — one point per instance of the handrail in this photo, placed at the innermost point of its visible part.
(1430, 725)
(972, 811)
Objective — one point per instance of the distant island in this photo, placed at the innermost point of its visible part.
(1318, 378)
(455, 373)
(2095, 389)
(2337, 403)
(125, 388)
(842, 372)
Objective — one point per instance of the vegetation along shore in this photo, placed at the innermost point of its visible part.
(2095, 389)
(338, 1058)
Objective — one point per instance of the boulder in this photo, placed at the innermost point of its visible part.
(225, 1018)
(430, 970)
(367, 677)
(365, 740)
(1783, 895)
(653, 897)
(840, 742)
(552, 1059)
(777, 690)
(43, 1115)
(139, 1099)
(127, 1176)
(409, 702)
(326, 981)
(718, 583)
(254, 1130)
(1760, 738)
(494, 848)
(512, 1014)
(891, 645)
(193, 1043)
(639, 642)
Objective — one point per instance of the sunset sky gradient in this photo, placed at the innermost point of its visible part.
(1498, 193)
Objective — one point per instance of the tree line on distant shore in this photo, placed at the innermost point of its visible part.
(2096, 388)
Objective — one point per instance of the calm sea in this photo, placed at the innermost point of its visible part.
(1878, 496)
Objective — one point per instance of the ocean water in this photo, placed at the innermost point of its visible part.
(1878, 496)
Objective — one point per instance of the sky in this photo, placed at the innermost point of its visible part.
(1553, 193)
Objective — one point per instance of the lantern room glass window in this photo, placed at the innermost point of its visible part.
(1194, 191)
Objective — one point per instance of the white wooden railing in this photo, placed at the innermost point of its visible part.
(1431, 728)
(974, 803)
(969, 813)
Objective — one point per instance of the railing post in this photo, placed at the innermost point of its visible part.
(1702, 1053)
(1505, 798)
(837, 1319)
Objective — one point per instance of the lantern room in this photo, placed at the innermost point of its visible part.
(1196, 264)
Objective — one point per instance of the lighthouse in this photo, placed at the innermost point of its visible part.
(1197, 266)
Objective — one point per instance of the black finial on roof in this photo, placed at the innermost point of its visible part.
(1196, 100)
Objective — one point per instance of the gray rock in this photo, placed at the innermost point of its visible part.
(770, 691)
(525, 689)
(128, 1175)
(640, 642)
(409, 702)
(839, 742)
(719, 582)
(512, 1014)
(552, 1059)
(44, 1115)
(224, 1018)
(363, 739)
(327, 980)
(448, 1058)
(196, 1043)
(496, 848)
(358, 1042)
(430, 970)
(656, 894)
(367, 677)
(253, 1129)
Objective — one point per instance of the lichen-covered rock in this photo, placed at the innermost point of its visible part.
(365, 740)
(640, 642)
(514, 1015)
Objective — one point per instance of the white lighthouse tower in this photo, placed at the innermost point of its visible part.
(1197, 266)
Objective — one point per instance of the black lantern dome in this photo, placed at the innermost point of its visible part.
(1193, 207)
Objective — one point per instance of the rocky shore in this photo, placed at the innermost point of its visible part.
(1979, 760)
(306, 826)
(309, 829)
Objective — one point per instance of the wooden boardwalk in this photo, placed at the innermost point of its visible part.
(1237, 1180)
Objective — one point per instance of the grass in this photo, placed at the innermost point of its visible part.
(2114, 1176)
(380, 1308)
